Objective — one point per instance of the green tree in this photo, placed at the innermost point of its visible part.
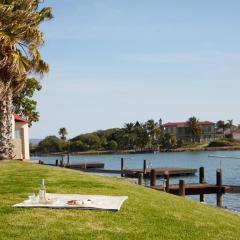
(142, 138)
(195, 129)
(92, 140)
(113, 145)
(51, 144)
(223, 126)
(230, 126)
(78, 146)
(129, 135)
(62, 133)
(168, 140)
(24, 105)
(151, 127)
(20, 40)
(220, 125)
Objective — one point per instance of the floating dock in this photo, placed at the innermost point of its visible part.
(79, 166)
(193, 189)
(86, 165)
(98, 167)
(133, 173)
(200, 188)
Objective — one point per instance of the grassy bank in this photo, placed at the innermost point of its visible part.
(147, 214)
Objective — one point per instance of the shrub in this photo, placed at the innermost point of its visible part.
(52, 144)
(220, 143)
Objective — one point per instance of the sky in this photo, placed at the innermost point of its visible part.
(113, 62)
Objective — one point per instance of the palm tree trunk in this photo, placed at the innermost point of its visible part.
(6, 146)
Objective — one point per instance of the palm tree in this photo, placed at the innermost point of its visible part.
(62, 133)
(195, 128)
(168, 140)
(129, 135)
(151, 127)
(20, 40)
(141, 136)
(230, 126)
(221, 125)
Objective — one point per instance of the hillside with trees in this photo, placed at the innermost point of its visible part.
(133, 136)
(139, 137)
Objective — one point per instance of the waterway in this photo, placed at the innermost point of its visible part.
(230, 167)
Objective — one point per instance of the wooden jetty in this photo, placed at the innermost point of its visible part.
(133, 173)
(98, 167)
(77, 166)
(200, 188)
(86, 165)
(146, 171)
(193, 188)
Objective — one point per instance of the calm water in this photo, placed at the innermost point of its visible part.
(230, 167)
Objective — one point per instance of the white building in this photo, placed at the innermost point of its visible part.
(236, 134)
(20, 137)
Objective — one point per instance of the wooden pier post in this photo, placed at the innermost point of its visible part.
(140, 178)
(144, 167)
(201, 180)
(219, 184)
(166, 178)
(56, 162)
(68, 159)
(181, 188)
(122, 166)
(62, 160)
(153, 177)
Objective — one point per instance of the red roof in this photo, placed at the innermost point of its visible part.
(19, 119)
(175, 124)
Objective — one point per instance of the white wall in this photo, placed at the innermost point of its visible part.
(26, 141)
(21, 150)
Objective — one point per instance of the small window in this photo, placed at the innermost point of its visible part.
(18, 133)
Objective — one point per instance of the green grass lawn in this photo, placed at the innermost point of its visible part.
(147, 214)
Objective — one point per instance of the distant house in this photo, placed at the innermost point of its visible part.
(20, 137)
(227, 132)
(236, 134)
(182, 132)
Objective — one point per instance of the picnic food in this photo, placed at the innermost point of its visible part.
(72, 202)
(78, 202)
(51, 200)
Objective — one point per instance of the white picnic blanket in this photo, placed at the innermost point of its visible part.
(98, 202)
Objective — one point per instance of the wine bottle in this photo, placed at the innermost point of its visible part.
(42, 192)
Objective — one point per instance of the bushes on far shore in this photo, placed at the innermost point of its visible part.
(51, 144)
(224, 142)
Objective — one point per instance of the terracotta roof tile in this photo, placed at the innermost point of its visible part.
(19, 119)
(175, 124)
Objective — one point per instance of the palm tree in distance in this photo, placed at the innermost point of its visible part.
(230, 126)
(62, 133)
(195, 128)
(20, 40)
(129, 134)
(151, 127)
(221, 125)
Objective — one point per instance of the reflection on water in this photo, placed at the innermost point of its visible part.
(230, 167)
